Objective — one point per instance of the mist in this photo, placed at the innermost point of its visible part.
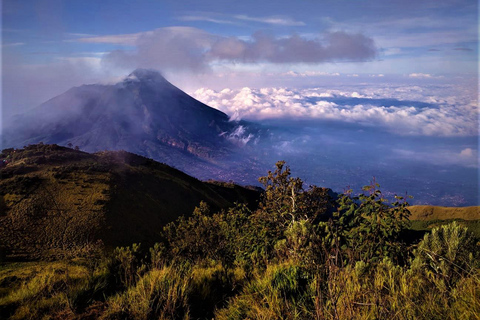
(343, 156)
(420, 140)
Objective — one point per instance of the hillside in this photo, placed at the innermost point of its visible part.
(55, 200)
(281, 261)
(427, 217)
(444, 213)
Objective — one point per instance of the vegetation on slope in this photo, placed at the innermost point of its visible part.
(57, 201)
(299, 255)
(444, 213)
(427, 217)
(289, 259)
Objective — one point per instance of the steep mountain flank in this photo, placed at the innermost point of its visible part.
(143, 114)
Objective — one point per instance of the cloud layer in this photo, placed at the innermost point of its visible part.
(194, 49)
(403, 110)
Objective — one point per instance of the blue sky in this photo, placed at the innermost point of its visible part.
(436, 37)
(51, 45)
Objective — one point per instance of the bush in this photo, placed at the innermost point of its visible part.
(159, 294)
(127, 264)
(369, 227)
(281, 292)
(447, 254)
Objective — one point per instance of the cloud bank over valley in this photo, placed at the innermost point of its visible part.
(445, 110)
(417, 139)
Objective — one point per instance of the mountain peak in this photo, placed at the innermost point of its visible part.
(145, 75)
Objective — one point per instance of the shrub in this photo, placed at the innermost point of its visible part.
(159, 294)
(446, 255)
(127, 264)
(369, 227)
(281, 292)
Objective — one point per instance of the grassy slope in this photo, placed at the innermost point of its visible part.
(444, 213)
(427, 217)
(55, 199)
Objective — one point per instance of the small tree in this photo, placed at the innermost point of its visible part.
(288, 214)
(369, 226)
(286, 199)
(281, 193)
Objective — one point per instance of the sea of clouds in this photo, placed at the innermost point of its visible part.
(420, 139)
(441, 110)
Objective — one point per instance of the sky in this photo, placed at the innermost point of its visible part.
(408, 69)
(50, 45)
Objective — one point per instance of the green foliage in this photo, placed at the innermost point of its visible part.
(127, 264)
(159, 294)
(286, 201)
(368, 227)
(447, 254)
(211, 237)
(289, 259)
(303, 243)
(158, 255)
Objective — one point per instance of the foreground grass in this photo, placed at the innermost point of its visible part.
(384, 291)
(281, 291)
(38, 290)
(281, 261)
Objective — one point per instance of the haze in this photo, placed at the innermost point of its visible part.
(350, 89)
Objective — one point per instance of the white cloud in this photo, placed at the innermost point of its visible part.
(82, 35)
(239, 136)
(404, 110)
(274, 20)
(119, 39)
(424, 76)
(310, 74)
(241, 19)
(194, 49)
(466, 153)
(441, 157)
(15, 44)
(392, 51)
(205, 18)
(420, 75)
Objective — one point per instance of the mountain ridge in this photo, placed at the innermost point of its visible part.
(55, 200)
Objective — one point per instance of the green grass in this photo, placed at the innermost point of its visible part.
(427, 225)
(38, 290)
(425, 212)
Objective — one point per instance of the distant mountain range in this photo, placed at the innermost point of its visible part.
(143, 114)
